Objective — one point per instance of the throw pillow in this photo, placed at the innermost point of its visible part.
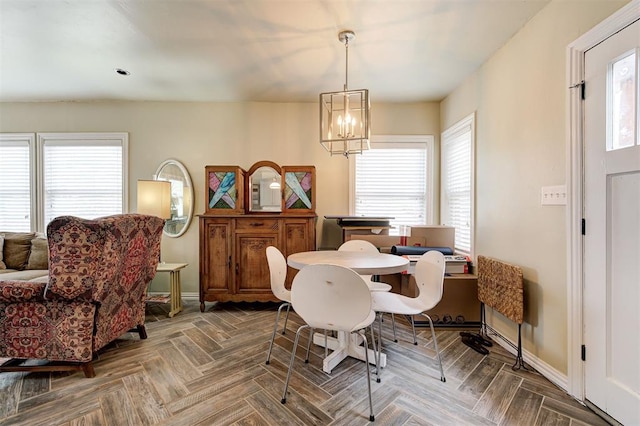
(39, 255)
(2, 265)
(17, 246)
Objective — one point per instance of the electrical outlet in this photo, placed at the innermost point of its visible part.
(554, 195)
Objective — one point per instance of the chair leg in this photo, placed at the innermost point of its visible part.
(87, 368)
(380, 330)
(366, 363)
(286, 318)
(293, 357)
(275, 328)
(378, 367)
(306, 358)
(413, 329)
(435, 343)
(393, 322)
(141, 331)
(376, 353)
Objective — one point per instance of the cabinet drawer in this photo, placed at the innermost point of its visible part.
(258, 223)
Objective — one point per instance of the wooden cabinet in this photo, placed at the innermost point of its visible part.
(246, 212)
(233, 261)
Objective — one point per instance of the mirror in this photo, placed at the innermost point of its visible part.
(181, 196)
(265, 189)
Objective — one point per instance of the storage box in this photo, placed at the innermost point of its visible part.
(459, 305)
(385, 242)
(435, 235)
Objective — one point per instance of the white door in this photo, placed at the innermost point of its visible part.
(612, 215)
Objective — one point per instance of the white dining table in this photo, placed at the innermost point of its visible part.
(347, 344)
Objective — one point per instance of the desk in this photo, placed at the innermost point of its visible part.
(175, 291)
(365, 264)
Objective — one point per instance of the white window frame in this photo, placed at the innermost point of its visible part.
(388, 141)
(29, 139)
(37, 142)
(467, 124)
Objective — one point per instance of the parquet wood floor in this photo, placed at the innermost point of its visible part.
(209, 369)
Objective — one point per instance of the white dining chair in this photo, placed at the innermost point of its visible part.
(331, 297)
(367, 247)
(278, 275)
(429, 276)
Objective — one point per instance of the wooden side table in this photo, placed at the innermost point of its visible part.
(175, 289)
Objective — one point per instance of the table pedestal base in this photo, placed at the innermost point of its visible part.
(346, 344)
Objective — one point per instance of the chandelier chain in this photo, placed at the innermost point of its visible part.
(346, 64)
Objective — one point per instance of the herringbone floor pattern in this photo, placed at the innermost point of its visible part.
(209, 369)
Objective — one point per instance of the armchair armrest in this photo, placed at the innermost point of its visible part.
(21, 291)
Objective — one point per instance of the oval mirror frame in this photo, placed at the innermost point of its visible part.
(182, 196)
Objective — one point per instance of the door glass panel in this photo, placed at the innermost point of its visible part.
(623, 274)
(623, 108)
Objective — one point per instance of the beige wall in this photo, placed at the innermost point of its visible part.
(200, 134)
(519, 99)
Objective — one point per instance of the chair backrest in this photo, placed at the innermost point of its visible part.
(429, 275)
(108, 261)
(331, 297)
(278, 273)
(358, 245)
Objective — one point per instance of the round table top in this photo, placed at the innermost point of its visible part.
(362, 263)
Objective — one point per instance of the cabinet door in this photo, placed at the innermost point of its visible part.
(251, 269)
(299, 193)
(215, 257)
(224, 190)
(299, 235)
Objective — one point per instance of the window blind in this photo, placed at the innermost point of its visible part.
(457, 184)
(82, 179)
(80, 174)
(15, 186)
(391, 181)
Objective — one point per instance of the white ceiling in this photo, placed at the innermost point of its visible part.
(247, 50)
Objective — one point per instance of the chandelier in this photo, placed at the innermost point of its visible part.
(344, 116)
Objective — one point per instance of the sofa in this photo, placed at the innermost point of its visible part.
(95, 291)
(23, 256)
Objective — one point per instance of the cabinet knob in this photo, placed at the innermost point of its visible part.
(256, 223)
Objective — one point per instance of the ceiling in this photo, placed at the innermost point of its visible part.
(247, 50)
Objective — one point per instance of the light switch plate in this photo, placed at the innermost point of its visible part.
(553, 195)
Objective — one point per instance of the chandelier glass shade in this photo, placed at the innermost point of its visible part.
(345, 116)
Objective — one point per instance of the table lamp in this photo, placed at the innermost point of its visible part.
(154, 199)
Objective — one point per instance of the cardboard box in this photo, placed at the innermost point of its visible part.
(385, 242)
(459, 298)
(424, 236)
(349, 232)
(435, 235)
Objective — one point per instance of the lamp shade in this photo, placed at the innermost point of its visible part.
(154, 198)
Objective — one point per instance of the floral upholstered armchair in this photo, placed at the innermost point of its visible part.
(98, 273)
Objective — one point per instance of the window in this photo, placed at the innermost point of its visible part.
(16, 183)
(394, 179)
(457, 184)
(621, 97)
(80, 174)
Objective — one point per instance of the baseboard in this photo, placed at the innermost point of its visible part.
(550, 373)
